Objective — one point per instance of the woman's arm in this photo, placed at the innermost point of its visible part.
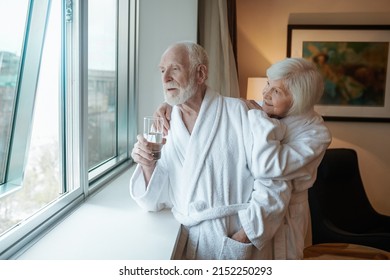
(164, 111)
(282, 149)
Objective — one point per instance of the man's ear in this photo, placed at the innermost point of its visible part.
(202, 73)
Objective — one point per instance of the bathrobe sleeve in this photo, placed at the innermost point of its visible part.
(282, 148)
(266, 210)
(269, 198)
(155, 196)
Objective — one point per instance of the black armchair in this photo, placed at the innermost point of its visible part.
(340, 209)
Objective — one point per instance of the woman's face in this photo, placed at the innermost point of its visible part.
(277, 101)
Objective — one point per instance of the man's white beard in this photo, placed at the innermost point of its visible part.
(184, 93)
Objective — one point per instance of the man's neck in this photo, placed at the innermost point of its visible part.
(190, 109)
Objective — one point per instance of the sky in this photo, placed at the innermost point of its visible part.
(102, 32)
(12, 24)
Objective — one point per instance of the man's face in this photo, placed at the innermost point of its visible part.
(178, 83)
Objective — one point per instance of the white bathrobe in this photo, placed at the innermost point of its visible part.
(206, 179)
(290, 149)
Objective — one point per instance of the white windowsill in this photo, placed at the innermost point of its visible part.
(109, 225)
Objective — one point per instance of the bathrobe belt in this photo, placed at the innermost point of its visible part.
(197, 215)
(197, 212)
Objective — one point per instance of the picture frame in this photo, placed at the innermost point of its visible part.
(355, 63)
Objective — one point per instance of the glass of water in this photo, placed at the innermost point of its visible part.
(153, 133)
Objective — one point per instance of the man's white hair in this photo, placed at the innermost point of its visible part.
(196, 54)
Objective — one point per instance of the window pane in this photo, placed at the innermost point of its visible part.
(102, 81)
(42, 181)
(12, 26)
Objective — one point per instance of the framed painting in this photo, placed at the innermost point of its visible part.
(355, 63)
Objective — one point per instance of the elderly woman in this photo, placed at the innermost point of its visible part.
(289, 136)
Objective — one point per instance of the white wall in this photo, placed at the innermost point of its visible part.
(161, 24)
(262, 40)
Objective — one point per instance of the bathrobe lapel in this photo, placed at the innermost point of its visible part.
(193, 149)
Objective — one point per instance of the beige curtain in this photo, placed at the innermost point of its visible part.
(214, 37)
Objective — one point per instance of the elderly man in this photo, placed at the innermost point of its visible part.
(204, 174)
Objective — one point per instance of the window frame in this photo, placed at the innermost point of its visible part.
(79, 182)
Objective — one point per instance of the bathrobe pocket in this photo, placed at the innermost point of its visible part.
(234, 250)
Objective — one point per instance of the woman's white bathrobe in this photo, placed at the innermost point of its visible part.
(206, 179)
(289, 149)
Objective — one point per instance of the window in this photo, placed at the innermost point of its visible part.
(42, 181)
(107, 85)
(54, 83)
(102, 81)
(12, 29)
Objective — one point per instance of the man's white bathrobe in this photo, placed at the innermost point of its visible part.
(206, 179)
(290, 149)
